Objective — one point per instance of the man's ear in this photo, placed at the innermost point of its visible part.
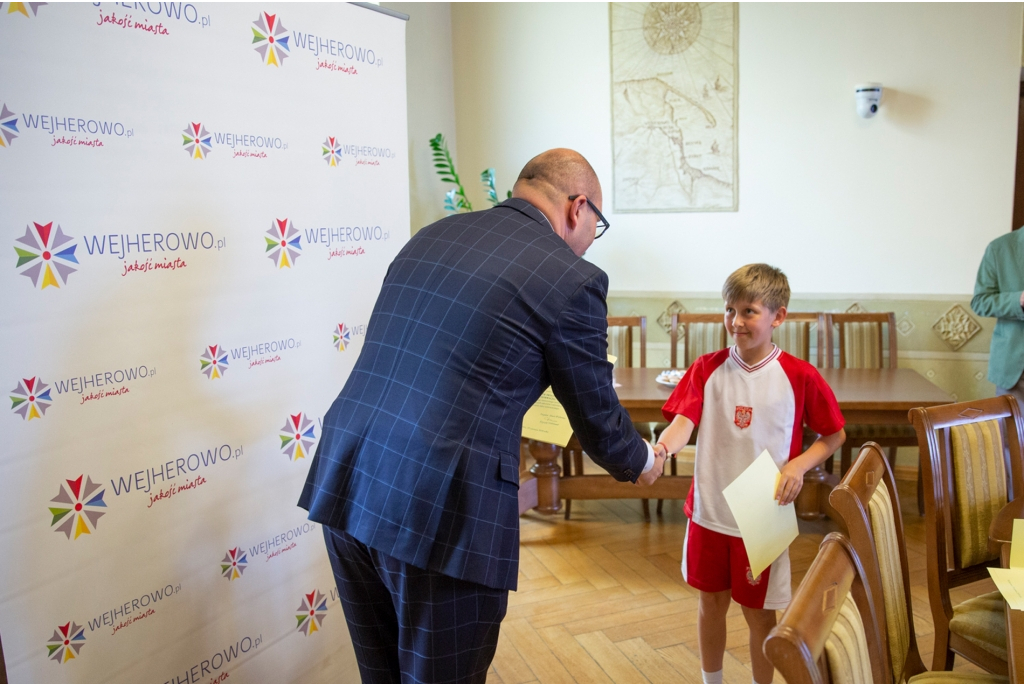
(574, 214)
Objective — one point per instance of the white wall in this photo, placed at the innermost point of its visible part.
(903, 203)
(431, 96)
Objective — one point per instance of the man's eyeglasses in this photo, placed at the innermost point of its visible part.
(602, 223)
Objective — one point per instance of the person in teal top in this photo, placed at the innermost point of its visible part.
(999, 292)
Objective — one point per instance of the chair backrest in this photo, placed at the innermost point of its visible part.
(794, 336)
(700, 334)
(830, 632)
(620, 339)
(868, 507)
(863, 340)
(971, 465)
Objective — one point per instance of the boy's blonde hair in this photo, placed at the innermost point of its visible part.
(755, 282)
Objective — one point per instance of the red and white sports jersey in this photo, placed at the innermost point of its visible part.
(743, 410)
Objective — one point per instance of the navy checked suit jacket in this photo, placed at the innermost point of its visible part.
(477, 315)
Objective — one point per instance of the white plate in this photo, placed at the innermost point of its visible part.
(671, 377)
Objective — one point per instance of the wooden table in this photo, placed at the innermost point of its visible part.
(875, 396)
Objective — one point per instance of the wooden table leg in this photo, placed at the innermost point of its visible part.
(812, 502)
(547, 471)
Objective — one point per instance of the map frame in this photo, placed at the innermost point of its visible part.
(735, 119)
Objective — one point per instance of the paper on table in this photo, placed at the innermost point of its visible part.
(1010, 581)
(547, 421)
(766, 528)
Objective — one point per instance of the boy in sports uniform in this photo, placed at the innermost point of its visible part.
(747, 398)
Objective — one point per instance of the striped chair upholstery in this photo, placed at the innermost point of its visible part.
(846, 648)
(880, 512)
(979, 479)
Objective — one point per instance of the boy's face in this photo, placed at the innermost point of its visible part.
(751, 323)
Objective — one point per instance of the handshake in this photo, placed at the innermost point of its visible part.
(660, 455)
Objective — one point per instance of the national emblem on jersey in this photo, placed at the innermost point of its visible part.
(742, 417)
(751, 579)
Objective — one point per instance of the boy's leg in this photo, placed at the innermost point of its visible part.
(706, 568)
(760, 622)
(760, 597)
(711, 611)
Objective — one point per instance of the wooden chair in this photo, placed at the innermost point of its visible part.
(794, 337)
(971, 462)
(864, 340)
(868, 508)
(830, 632)
(620, 345)
(620, 339)
(700, 334)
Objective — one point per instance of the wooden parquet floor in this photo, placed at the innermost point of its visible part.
(601, 598)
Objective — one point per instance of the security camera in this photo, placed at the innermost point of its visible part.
(869, 95)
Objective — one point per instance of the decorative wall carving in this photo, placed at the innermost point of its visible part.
(956, 327)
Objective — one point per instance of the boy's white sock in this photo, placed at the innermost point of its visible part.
(713, 677)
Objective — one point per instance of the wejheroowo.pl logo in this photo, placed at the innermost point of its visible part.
(271, 39)
(78, 508)
(342, 337)
(8, 126)
(197, 141)
(331, 150)
(30, 398)
(284, 243)
(312, 612)
(47, 257)
(213, 362)
(233, 565)
(297, 436)
(66, 642)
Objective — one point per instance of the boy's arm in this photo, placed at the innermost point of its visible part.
(792, 479)
(675, 437)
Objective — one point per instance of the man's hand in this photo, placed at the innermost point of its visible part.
(790, 483)
(1022, 299)
(655, 472)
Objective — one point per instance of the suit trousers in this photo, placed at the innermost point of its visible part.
(413, 625)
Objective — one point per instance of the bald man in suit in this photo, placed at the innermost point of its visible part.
(416, 476)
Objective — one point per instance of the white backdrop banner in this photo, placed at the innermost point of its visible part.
(198, 204)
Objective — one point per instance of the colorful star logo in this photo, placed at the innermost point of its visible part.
(83, 508)
(8, 126)
(31, 398)
(49, 259)
(342, 337)
(312, 612)
(331, 151)
(29, 9)
(233, 565)
(297, 435)
(66, 643)
(213, 362)
(197, 141)
(284, 243)
(269, 36)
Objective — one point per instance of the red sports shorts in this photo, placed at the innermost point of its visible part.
(714, 562)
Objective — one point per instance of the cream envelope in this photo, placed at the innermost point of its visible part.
(766, 528)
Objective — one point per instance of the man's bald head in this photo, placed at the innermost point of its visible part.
(558, 173)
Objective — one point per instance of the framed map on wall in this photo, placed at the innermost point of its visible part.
(674, 124)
